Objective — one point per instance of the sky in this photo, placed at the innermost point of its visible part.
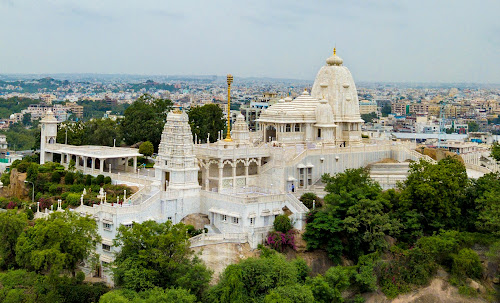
(379, 40)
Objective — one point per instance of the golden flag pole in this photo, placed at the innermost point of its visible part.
(229, 81)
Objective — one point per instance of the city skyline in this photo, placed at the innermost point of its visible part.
(449, 41)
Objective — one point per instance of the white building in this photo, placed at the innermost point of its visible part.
(243, 183)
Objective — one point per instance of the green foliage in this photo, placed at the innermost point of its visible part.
(5, 178)
(323, 232)
(20, 138)
(99, 180)
(73, 199)
(252, 279)
(58, 243)
(303, 270)
(55, 177)
(295, 293)
(32, 172)
(368, 118)
(466, 263)
(308, 198)
(14, 105)
(145, 119)
(22, 286)
(473, 126)
(435, 193)
(69, 178)
(206, 119)
(322, 291)
(12, 225)
(365, 277)
(149, 296)
(467, 291)
(495, 151)
(282, 223)
(146, 148)
(107, 180)
(386, 110)
(158, 254)
(94, 132)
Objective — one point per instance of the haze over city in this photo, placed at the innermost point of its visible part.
(403, 41)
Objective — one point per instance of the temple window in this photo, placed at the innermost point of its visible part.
(224, 218)
(236, 220)
(106, 247)
(252, 221)
(297, 127)
(288, 128)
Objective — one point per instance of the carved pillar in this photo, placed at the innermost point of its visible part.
(84, 164)
(92, 165)
(221, 167)
(234, 164)
(246, 172)
(101, 165)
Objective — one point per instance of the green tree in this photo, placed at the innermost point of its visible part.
(58, 243)
(146, 148)
(145, 119)
(155, 295)
(158, 254)
(368, 118)
(495, 151)
(436, 193)
(12, 225)
(26, 119)
(386, 110)
(252, 279)
(101, 132)
(473, 126)
(282, 223)
(206, 119)
(488, 219)
(310, 199)
(295, 293)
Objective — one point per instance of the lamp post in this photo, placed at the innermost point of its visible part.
(33, 191)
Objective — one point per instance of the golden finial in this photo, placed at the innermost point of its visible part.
(177, 111)
(334, 51)
(229, 82)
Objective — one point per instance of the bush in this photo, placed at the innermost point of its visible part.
(69, 179)
(56, 177)
(88, 180)
(99, 180)
(146, 148)
(280, 241)
(466, 264)
(5, 179)
(107, 180)
(282, 224)
(73, 199)
(308, 198)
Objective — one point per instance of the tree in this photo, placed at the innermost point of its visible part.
(146, 148)
(12, 225)
(386, 110)
(295, 293)
(149, 296)
(436, 193)
(206, 119)
(145, 119)
(473, 126)
(495, 151)
(252, 279)
(158, 255)
(368, 118)
(58, 243)
(310, 200)
(282, 223)
(488, 219)
(26, 119)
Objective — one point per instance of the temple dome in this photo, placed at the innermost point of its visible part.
(334, 59)
(300, 109)
(324, 115)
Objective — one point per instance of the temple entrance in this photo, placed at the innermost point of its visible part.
(270, 133)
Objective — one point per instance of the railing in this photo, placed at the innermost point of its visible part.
(207, 239)
(478, 168)
(243, 198)
(297, 203)
(117, 209)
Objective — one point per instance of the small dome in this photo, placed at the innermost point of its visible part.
(305, 92)
(334, 59)
(281, 100)
(288, 99)
(240, 117)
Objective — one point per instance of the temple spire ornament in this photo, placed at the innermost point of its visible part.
(229, 81)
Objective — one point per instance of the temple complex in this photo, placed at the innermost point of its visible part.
(240, 183)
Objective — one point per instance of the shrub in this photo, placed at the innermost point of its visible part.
(146, 148)
(107, 180)
(282, 224)
(56, 177)
(303, 270)
(29, 213)
(308, 198)
(280, 241)
(73, 199)
(69, 179)
(88, 179)
(466, 263)
(5, 179)
(12, 205)
(99, 180)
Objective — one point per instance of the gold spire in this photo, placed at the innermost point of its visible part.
(229, 81)
(334, 51)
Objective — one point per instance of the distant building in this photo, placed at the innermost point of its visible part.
(367, 107)
(252, 111)
(3, 142)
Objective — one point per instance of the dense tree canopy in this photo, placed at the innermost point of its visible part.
(158, 255)
(58, 243)
(206, 119)
(12, 225)
(146, 148)
(145, 119)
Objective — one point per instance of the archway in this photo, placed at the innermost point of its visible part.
(270, 133)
